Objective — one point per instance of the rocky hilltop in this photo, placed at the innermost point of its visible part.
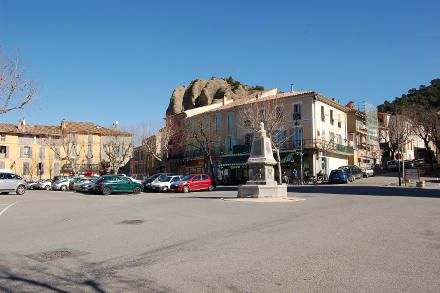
(202, 92)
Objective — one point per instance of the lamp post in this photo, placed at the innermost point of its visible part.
(301, 154)
(397, 142)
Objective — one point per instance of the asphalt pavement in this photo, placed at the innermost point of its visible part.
(383, 239)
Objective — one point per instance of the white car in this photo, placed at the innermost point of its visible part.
(164, 184)
(62, 185)
(367, 172)
(44, 184)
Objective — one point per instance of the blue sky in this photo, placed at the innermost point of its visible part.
(103, 61)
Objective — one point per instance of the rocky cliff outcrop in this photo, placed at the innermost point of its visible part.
(202, 92)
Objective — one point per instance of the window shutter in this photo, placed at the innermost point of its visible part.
(30, 151)
(7, 152)
(21, 151)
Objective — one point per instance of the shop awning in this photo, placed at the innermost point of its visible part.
(287, 158)
(229, 161)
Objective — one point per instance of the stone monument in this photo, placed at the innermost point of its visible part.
(261, 172)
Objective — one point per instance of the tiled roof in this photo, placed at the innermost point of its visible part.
(71, 127)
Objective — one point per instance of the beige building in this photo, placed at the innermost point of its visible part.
(39, 151)
(316, 124)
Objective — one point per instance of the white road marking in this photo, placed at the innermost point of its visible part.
(7, 207)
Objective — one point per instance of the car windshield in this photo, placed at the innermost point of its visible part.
(187, 177)
(165, 179)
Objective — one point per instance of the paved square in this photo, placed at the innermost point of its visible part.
(346, 238)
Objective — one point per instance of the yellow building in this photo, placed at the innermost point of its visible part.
(41, 151)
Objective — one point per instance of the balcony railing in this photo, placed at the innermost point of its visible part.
(325, 145)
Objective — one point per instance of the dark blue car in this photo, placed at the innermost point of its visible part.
(338, 176)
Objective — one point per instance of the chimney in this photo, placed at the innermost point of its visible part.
(224, 100)
(291, 87)
(115, 125)
(334, 99)
(22, 125)
(350, 105)
(63, 125)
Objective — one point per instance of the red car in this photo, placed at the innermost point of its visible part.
(193, 182)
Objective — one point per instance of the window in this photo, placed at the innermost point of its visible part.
(230, 120)
(323, 134)
(339, 120)
(228, 146)
(332, 121)
(218, 122)
(322, 114)
(332, 137)
(281, 136)
(25, 168)
(3, 151)
(27, 151)
(248, 139)
(298, 137)
(297, 112)
(56, 169)
(196, 178)
(217, 147)
(204, 177)
(40, 169)
(3, 137)
(42, 152)
(339, 139)
(90, 138)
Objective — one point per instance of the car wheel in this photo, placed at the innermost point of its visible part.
(21, 189)
(106, 191)
(165, 189)
(185, 189)
(211, 187)
(47, 187)
(63, 188)
(136, 190)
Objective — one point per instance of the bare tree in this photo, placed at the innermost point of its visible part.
(157, 144)
(199, 137)
(422, 121)
(398, 132)
(117, 149)
(66, 149)
(15, 90)
(275, 121)
(50, 161)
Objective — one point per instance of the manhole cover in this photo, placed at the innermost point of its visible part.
(132, 222)
(55, 254)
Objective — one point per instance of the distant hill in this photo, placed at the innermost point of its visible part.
(427, 96)
(202, 92)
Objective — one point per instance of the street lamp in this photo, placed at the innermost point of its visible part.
(397, 141)
(301, 154)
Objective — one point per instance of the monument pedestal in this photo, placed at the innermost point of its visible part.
(261, 191)
(261, 162)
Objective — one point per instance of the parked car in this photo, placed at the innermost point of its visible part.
(164, 183)
(31, 184)
(45, 184)
(10, 182)
(140, 178)
(355, 171)
(194, 182)
(109, 184)
(88, 187)
(367, 172)
(154, 178)
(408, 164)
(78, 183)
(59, 178)
(419, 163)
(62, 184)
(339, 176)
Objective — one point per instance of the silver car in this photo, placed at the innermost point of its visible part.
(10, 182)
